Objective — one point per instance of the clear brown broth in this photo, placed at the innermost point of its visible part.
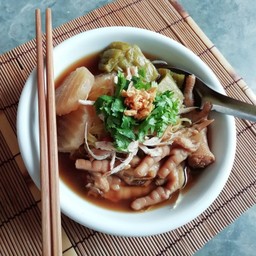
(75, 179)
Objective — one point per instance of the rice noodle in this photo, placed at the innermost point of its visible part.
(151, 151)
(86, 102)
(133, 149)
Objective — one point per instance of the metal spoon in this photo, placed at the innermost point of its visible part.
(220, 102)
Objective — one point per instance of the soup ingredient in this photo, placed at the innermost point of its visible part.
(70, 128)
(76, 86)
(133, 138)
(180, 153)
(174, 181)
(178, 78)
(139, 102)
(203, 156)
(126, 192)
(188, 91)
(103, 85)
(130, 177)
(120, 56)
(93, 166)
(167, 83)
(165, 113)
(120, 123)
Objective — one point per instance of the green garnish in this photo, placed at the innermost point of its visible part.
(139, 82)
(165, 113)
(125, 129)
(122, 84)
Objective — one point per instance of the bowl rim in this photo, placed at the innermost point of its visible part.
(141, 228)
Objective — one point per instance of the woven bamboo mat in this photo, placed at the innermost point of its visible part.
(20, 230)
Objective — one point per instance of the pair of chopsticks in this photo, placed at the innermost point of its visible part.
(51, 220)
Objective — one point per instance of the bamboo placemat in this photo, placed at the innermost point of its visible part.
(20, 230)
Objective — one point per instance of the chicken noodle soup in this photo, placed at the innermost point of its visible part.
(129, 135)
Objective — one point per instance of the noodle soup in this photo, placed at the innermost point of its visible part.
(197, 197)
(124, 192)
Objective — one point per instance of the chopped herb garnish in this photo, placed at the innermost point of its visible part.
(125, 129)
(122, 83)
(165, 113)
(139, 82)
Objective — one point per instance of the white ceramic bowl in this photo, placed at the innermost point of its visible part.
(194, 202)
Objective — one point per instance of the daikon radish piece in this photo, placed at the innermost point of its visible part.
(75, 87)
(103, 85)
(71, 128)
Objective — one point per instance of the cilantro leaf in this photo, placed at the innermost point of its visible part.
(122, 84)
(125, 129)
(121, 142)
(139, 82)
(117, 107)
(165, 113)
(102, 104)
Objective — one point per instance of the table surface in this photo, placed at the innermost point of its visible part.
(229, 24)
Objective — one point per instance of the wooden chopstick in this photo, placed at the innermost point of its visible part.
(51, 220)
(44, 164)
(52, 140)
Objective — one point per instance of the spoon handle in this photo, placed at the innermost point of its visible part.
(230, 106)
(220, 102)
